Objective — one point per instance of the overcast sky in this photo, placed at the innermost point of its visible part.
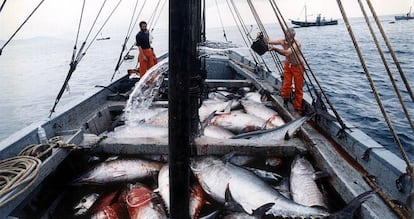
(61, 17)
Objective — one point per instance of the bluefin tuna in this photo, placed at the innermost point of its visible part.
(304, 189)
(197, 199)
(275, 134)
(110, 205)
(85, 204)
(143, 203)
(239, 122)
(262, 111)
(120, 170)
(247, 189)
(215, 131)
(234, 210)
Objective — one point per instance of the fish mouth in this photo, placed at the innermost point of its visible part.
(79, 210)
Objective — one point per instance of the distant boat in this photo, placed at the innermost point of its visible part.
(318, 22)
(104, 38)
(407, 16)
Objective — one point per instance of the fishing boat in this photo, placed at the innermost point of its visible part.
(319, 21)
(49, 159)
(407, 16)
(104, 38)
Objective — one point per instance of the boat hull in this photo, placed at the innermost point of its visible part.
(313, 24)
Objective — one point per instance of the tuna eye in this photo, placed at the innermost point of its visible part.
(83, 200)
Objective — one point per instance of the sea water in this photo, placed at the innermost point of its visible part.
(32, 72)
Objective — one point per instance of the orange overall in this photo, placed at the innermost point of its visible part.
(145, 65)
(294, 72)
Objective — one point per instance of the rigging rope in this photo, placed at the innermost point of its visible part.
(246, 36)
(156, 15)
(221, 21)
(118, 64)
(2, 5)
(81, 54)
(274, 56)
(373, 88)
(381, 53)
(241, 27)
(18, 29)
(394, 57)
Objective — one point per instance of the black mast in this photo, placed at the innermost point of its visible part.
(184, 35)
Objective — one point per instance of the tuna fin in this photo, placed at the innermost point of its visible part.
(207, 121)
(349, 210)
(287, 137)
(230, 204)
(260, 211)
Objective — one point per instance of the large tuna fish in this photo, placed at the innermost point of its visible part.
(262, 111)
(250, 191)
(85, 204)
(215, 131)
(210, 106)
(303, 187)
(285, 131)
(143, 203)
(196, 193)
(120, 170)
(110, 205)
(239, 122)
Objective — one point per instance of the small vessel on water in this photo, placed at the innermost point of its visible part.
(319, 21)
(104, 38)
(407, 16)
(208, 108)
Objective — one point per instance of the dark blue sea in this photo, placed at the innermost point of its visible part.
(32, 72)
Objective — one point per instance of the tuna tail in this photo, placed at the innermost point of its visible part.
(232, 206)
(349, 210)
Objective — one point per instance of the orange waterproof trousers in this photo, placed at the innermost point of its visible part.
(145, 65)
(294, 72)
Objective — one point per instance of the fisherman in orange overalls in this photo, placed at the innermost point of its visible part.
(146, 56)
(293, 67)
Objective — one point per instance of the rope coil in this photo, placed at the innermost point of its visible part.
(17, 174)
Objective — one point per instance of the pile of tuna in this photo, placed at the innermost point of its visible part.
(223, 115)
(221, 187)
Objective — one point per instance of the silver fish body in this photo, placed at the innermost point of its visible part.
(262, 111)
(285, 131)
(120, 170)
(219, 132)
(85, 204)
(196, 193)
(303, 187)
(238, 122)
(246, 188)
(209, 106)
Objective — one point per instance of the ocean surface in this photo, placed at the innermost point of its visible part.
(32, 72)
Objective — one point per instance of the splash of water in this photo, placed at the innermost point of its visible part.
(145, 91)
